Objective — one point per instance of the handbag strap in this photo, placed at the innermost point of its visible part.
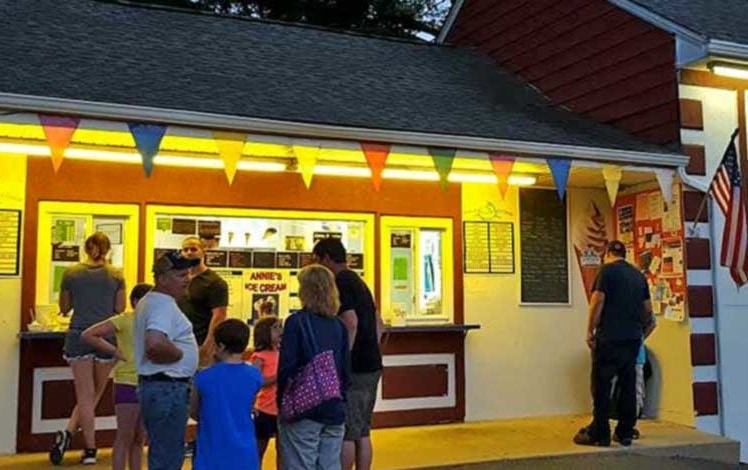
(306, 329)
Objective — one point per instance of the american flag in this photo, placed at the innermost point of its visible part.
(726, 191)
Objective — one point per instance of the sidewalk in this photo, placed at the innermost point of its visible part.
(543, 442)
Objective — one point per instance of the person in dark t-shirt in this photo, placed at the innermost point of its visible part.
(206, 299)
(620, 311)
(364, 324)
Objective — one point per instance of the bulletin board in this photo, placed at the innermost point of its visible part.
(653, 233)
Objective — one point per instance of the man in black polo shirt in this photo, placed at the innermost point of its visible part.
(206, 300)
(365, 326)
(619, 312)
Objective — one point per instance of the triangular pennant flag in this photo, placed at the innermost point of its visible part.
(502, 168)
(665, 180)
(443, 160)
(376, 157)
(230, 146)
(560, 168)
(612, 176)
(147, 139)
(59, 131)
(306, 156)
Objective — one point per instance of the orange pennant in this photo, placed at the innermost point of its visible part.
(59, 132)
(502, 168)
(376, 157)
(230, 146)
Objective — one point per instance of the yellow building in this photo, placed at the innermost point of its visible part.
(465, 199)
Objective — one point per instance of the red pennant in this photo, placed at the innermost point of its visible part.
(502, 168)
(59, 131)
(376, 157)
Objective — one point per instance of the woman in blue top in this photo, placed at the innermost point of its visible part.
(222, 399)
(313, 440)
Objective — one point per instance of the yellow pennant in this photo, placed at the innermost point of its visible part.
(230, 146)
(306, 156)
(612, 175)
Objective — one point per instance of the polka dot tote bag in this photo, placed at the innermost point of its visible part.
(316, 382)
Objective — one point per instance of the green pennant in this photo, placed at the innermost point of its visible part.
(443, 160)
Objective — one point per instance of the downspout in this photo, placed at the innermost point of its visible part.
(690, 181)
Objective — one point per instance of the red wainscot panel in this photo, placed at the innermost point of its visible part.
(423, 381)
(47, 396)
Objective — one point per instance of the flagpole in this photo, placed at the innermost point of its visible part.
(696, 221)
(692, 230)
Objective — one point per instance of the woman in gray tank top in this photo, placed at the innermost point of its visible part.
(95, 291)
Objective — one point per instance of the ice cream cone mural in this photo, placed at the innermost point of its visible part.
(590, 238)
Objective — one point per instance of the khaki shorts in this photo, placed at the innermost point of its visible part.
(359, 405)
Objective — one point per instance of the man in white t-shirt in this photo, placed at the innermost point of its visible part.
(166, 358)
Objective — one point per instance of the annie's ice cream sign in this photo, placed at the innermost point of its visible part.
(266, 281)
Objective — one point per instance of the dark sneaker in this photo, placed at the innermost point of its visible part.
(585, 438)
(88, 457)
(59, 446)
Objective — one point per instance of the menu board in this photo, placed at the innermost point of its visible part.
(488, 247)
(544, 257)
(355, 261)
(263, 259)
(10, 242)
(66, 253)
(216, 258)
(287, 260)
(184, 226)
(240, 259)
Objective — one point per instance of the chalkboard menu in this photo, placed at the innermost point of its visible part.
(544, 257)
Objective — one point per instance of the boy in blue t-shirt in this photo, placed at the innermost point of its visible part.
(222, 399)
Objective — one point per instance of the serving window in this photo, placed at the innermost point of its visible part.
(62, 231)
(417, 269)
(259, 252)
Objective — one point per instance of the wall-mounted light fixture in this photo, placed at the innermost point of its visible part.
(729, 69)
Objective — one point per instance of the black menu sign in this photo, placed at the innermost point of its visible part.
(544, 257)
(355, 261)
(184, 226)
(67, 253)
(209, 229)
(240, 259)
(287, 260)
(400, 239)
(263, 259)
(216, 258)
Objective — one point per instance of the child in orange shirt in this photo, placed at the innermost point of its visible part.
(267, 337)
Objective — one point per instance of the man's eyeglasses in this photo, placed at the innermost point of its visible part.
(190, 249)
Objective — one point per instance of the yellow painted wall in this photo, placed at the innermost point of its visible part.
(532, 360)
(12, 196)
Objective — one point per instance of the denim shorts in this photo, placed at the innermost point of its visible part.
(76, 349)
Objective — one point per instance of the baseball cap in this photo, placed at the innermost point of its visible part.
(173, 261)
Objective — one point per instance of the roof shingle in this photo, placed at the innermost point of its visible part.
(106, 52)
(725, 20)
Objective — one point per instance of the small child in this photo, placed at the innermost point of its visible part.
(128, 443)
(222, 399)
(267, 337)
